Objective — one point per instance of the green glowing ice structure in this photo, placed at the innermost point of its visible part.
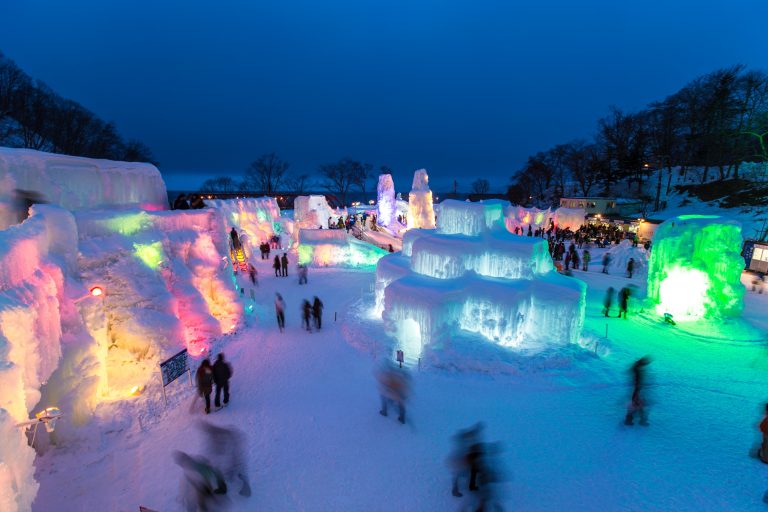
(334, 248)
(695, 268)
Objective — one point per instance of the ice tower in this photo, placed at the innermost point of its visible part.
(386, 205)
(472, 275)
(421, 214)
(695, 268)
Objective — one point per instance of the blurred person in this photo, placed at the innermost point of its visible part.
(181, 203)
(225, 447)
(610, 293)
(276, 265)
(586, 258)
(222, 372)
(203, 487)
(624, 294)
(630, 267)
(280, 310)
(235, 239)
(762, 453)
(606, 262)
(204, 380)
(303, 271)
(394, 387)
(253, 274)
(637, 405)
(459, 460)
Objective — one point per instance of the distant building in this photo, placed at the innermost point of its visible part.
(604, 206)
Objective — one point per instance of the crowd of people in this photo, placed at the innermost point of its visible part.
(191, 202)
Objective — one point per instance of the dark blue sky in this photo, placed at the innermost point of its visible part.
(466, 89)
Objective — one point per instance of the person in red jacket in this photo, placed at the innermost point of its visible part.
(763, 451)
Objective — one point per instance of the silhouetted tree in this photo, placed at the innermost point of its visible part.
(341, 176)
(480, 186)
(266, 174)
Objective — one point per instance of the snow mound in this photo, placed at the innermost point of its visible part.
(620, 255)
(312, 212)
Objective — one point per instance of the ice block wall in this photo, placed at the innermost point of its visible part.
(312, 212)
(257, 220)
(695, 268)
(75, 183)
(421, 213)
(334, 248)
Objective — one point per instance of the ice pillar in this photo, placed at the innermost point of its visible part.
(387, 207)
(421, 213)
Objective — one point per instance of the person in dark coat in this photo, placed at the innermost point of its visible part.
(317, 312)
(630, 267)
(284, 263)
(253, 274)
(606, 262)
(306, 312)
(181, 203)
(637, 403)
(623, 301)
(608, 301)
(280, 310)
(222, 372)
(276, 265)
(204, 380)
(235, 239)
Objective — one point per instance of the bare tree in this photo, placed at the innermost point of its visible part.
(221, 184)
(266, 174)
(341, 176)
(480, 186)
(297, 183)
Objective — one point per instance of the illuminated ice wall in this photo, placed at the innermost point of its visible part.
(257, 220)
(421, 213)
(695, 268)
(471, 274)
(521, 217)
(334, 248)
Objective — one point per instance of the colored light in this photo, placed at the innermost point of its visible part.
(96, 291)
(151, 254)
(683, 294)
(129, 224)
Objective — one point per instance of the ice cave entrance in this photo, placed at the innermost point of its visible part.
(409, 334)
(683, 294)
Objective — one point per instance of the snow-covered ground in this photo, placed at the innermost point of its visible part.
(308, 404)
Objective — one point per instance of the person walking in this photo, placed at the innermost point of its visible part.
(222, 372)
(280, 310)
(253, 274)
(610, 293)
(606, 262)
(306, 312)
(586, 258)
(284, 263)
(637, 404)
(630, 267)
(762, 453)
(204, 380)
(623, 301)
(276, 265)
(317, 312)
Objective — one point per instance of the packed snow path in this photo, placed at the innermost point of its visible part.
(308, 404)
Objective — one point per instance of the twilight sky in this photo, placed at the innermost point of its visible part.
(466, 89)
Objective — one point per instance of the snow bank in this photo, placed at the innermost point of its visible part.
(75, 183)
(490, 282)
(421, 213)
(695, 268)
(620, 255)
(333, 247)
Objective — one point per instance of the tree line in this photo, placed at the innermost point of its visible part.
(715, 123)
(33, 116)
(269, 174)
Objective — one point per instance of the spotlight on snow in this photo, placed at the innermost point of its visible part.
(683, 294)
(97, 291)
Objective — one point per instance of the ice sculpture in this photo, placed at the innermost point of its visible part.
(471, 274)
(333, 248)
(695, 268)
(386, 205)
(521, 217)
(421, 213)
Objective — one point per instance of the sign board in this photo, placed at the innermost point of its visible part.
(400, 356)
(173, 368)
